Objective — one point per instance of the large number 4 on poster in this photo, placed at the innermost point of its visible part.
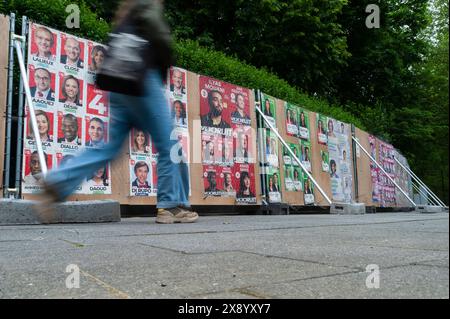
(97, 101)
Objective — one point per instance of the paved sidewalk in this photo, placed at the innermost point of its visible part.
(295, 256)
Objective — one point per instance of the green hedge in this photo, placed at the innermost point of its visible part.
(190, 55)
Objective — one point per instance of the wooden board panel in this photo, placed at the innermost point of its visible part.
(323, 178)
(120, 167)
(290, 197)
(363, 168)
(4, 53)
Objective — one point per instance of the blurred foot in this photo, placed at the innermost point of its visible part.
(45, 208)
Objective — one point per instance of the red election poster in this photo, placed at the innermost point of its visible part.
(42, 83)
(43, 45)
(96, 131)
(72, 53)
(244, 175)
(69, 131)
(44, 120)
(212, 181)
(97, 101)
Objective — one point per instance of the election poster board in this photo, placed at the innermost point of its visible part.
(402, 179)
(303, 124)
(71, 112)
(386, 160)
(339, 153)
(143, 158)
(374, 171)
(270, 167)
(227, 141)
(291, 116)
(321, 121)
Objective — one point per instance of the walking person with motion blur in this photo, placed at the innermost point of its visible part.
(141, 105)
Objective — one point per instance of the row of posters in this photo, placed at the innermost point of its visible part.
(143, 153)
(228, 155)
(386, 187)
(402, 179)
(339, 161)
(298, 126)
(71, 112)
(384, 191)
(270, 166)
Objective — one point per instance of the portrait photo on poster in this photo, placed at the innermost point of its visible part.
(42, 46)
(45, 126)
(72, 54)
(96, 131)
(140, 178)
(69, 128)
(42, 84)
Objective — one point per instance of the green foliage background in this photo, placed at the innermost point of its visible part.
(391, 81)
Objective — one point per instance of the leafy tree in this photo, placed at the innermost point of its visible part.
(269, 33)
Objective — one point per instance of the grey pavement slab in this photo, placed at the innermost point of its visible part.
(294, 256)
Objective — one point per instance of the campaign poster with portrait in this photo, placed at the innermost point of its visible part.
(96, 131)
(43, 46)
(99, 183)
(297, 179)
(212, 180)
(180, 151)
(244, 178)
(273, 184)
(335, 175)
(215, 103)
(243, 144)
(321, 122)
(308, 190)
(178, 111)
(139, 143)
(227, 177)
(289, 178)
(271, 148)
(325, 161)
(140, 177)
(71, 93)
(32, 171)
(303, 124)
(45, 122)
(287, 157)
(305, 148)
(291, 119)
(42, 83)
(96, 53)
(209, 147)
(63, 93)
(72, 55)
(269, 109)
(227, 138)
(177, 84)
(69, 132)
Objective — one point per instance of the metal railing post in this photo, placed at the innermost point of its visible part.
(18, 41)
(418, 180)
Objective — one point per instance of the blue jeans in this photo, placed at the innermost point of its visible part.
(150, 113)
